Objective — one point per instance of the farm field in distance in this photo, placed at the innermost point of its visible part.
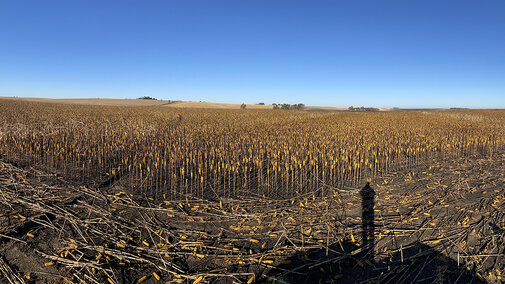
(150, 193)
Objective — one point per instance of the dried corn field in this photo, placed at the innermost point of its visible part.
(105, 194)
(171, 154)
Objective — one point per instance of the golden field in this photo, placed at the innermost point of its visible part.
(122, 193)
(212, 153)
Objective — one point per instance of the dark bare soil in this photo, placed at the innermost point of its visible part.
(442, 223)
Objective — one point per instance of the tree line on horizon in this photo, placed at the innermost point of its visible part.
(288, 106)
(362, 108)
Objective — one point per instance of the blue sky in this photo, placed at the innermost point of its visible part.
(332, 53)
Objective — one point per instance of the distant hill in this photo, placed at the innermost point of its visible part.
(167, 103)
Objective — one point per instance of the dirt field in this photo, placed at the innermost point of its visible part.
(443, 223)
(136, 102)
(181, 104)
(106, 102)
(165, 103)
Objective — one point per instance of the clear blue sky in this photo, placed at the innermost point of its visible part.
(335, 53)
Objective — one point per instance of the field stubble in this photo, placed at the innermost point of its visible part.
(280, 199)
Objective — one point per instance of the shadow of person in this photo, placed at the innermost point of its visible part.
(349, 262)
(367, 222)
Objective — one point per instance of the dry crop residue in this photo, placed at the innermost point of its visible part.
(425, 223)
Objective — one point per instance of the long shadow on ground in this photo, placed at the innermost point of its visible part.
(349, 262)
(417, 263)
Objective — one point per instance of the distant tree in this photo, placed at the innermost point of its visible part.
(243, 106)
(299, 106)
(285, 106)
(288, 106)
(362, 108)
(146, 98)
(261, 104)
